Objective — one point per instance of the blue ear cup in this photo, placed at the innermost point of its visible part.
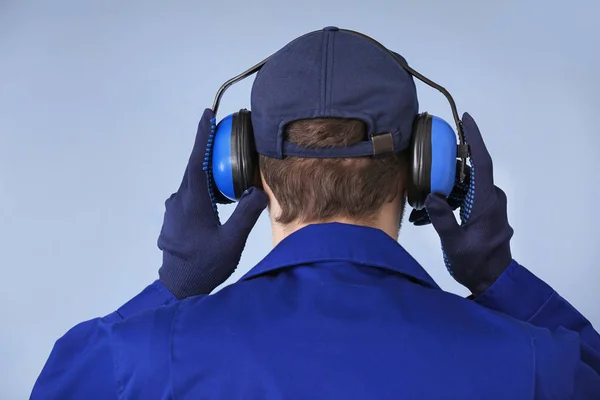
(221, 158)
(234, 156)
(433, 159)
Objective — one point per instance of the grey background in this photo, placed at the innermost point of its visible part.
(99, 103)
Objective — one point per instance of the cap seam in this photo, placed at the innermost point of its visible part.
(323, 83)
(330, 74)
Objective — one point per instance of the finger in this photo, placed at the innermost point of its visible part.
(245, 215)
(480, 157)
(194, 168)
(194, 188)
(441, 216)
(198, 155)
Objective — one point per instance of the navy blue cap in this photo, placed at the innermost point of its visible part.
(333, 73)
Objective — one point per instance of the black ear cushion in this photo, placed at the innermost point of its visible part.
(420, 163)
(244, 158)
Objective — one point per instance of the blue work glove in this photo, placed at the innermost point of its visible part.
(455, 199)
(198, 252)
(477, 251)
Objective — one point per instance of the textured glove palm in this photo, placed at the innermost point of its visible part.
(477, 251)
(198, 252)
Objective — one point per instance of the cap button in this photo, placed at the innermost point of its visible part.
(331, 28)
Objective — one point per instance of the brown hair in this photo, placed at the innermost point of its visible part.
(310, 190)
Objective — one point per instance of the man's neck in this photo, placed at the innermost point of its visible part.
(387, 225)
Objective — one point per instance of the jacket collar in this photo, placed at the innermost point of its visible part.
(342, 242)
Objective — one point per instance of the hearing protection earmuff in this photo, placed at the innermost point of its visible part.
(232, 160)
(234, 157)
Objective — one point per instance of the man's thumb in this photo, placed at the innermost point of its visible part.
(441, 216)
(245, 215)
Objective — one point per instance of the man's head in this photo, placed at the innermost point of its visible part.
(332, 114)
(365, 190)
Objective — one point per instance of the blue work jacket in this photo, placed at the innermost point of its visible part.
(334, 311)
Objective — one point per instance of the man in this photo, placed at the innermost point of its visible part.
(338, 309)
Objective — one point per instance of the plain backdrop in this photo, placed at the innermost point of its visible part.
(99, 103)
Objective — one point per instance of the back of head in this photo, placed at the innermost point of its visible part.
(332, 115)
(312, 190)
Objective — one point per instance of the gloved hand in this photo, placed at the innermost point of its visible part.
(477, 251)
(198, 252)
(455, 199)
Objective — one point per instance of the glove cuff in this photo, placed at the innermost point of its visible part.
(185, 280)
(483, 278)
